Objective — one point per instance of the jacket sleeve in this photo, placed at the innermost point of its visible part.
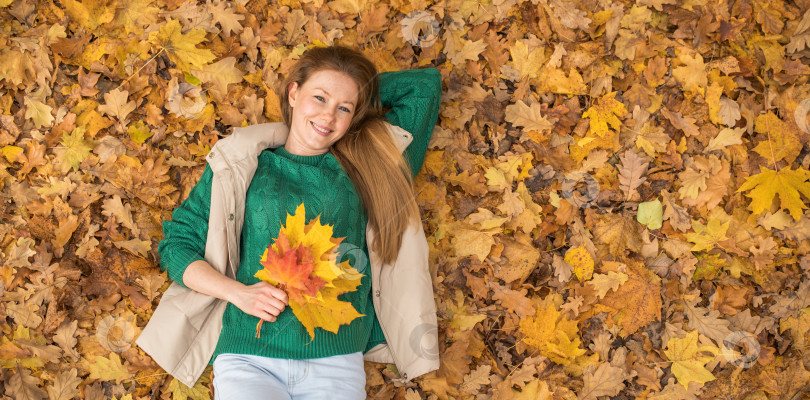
(413, 97)
(185, 235)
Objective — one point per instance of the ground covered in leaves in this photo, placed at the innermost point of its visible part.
(614, 197)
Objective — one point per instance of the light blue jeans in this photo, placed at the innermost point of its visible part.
(248, 377)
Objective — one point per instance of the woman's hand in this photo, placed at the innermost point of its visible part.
(261, 300)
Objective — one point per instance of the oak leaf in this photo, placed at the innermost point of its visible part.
(604, 283)
(513, 300)
(38, 112)
(65, 386)
(606, 380)
(476, 379)
(686, 124)
(707, 323)
(107, 368)
(24, 386)
(528, 116)
(631, 174)
(224, 15)
(116, 105)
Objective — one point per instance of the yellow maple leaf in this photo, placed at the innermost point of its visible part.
(706, 236)
(787, 183)
(321, 309)
(554, 335)
(779, 140)
(688, 365)
(604, 115)
(220, 74)
(527, 62)
(74, 149)
(182, 48)
(200, 390)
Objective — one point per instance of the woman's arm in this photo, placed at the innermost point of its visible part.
(413, 97)
(182, 254)
(261, 300)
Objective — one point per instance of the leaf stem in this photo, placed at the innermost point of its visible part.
(768, 131)
(259, 329)
(142, 67)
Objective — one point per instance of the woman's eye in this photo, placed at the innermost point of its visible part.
(320, 98)
(345, 109)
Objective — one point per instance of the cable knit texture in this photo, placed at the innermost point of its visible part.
(281, 183)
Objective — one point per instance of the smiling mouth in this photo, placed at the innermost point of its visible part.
(321, 130)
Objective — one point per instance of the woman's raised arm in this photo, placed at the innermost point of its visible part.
(413, 97)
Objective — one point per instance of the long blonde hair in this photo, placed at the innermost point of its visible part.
(367, 151)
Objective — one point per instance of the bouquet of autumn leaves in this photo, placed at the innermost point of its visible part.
(303, 262)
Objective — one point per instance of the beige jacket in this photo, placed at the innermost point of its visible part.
(184, 329)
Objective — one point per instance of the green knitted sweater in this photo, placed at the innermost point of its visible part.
(282, 182)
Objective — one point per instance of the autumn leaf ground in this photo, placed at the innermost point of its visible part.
(615, 197)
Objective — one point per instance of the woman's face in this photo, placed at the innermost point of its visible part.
(322, 110)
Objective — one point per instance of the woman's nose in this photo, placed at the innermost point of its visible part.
(329, 113)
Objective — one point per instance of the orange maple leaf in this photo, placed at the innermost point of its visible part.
(291, 269)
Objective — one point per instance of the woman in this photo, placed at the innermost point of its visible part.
(343, 163)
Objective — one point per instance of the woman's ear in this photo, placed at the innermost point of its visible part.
(292, 93)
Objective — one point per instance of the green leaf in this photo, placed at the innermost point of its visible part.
(651, 214)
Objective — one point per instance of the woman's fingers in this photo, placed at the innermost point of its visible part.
(273, 291)
(264, 301)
